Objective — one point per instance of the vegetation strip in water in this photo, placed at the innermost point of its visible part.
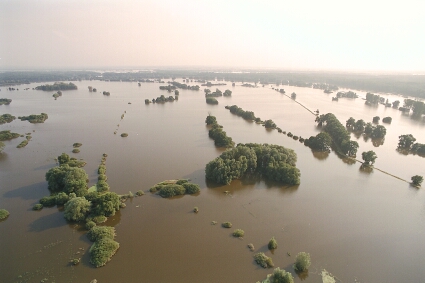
(217, 134)
(5, 101)
(35, 118)
(274, 162)
(7, 135)
(57, 86)
(6, 118)
(171, 188)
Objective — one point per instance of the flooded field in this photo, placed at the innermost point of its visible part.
(361, 227)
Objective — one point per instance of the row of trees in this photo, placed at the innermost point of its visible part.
(418, 107)
(274, 162)
(161, 99)
(347, 94)
(217, 134)
(370, 130)
(57, 86)
(247, 115)
(338, 134)
(407, 143)
(33, 118)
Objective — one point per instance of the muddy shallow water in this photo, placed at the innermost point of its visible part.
(364, 227)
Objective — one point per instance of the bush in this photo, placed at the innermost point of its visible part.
(102, 177)
(191, 188)
(281, 276)
(99, 232)
(75, 150)
(102, 251)
(38, 206)
(196, 209)
(106, 204)
(272, 244)
(99, 219)
(140, 193)
(77, 209)
(102, 186)
(124, 135)
(101, 169)
(48, 201)
(171, 190)
(302, 262)
(3, 214)
(226, 224)
(61, 198)
(90, 224)
(263, 260)
(182, 181)
(77, 144)
(211, 100)
(238, 233)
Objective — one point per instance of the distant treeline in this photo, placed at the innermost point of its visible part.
(404, 84)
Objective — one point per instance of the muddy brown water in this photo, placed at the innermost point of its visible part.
(364, 227)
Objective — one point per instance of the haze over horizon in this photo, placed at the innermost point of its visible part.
(296, 35)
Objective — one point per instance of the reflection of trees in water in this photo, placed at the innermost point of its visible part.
(302, 275)
(366, 169)
(320, 155)
(378, 142)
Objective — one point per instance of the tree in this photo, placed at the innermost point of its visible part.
(272, 244)
(417, 180)
(379, 132)
(350, 123)
(269, 124)
(376, 119)
(77, 209)
(106, 204)
(281, 276)
(406, 141)
(75, 181)
(359, 126)
(369, 157)
(302, 262)
(349, 147)
(396, 104)
(211, 120)
(321, 142)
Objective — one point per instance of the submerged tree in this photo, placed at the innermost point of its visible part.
(369, 157)
(417, 180)
(302, 262)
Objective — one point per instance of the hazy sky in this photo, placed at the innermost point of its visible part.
(297, 34)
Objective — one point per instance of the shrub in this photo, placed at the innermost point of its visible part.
(211, 100)
(226, 224)
(90, 224)
(77, 209)
(48, 201)
(75, 150)
(38, 206)
(191, 188)
(74, 261)
(101, 169)
(196, 209)
(272, 244)
(99, 219)
(23, 143)
(387, 120)
(302, 262)
(171, 190)
(140, 193)
(281, 276)
(77, 144)
(102, 251)
(106, 204)
(182, 181)
(102, 177)
(417, 180)
(124, 135)
(99, 232)
(61, 198)
(263, 260)
(3, 214)
(102, 186)
(238, 233)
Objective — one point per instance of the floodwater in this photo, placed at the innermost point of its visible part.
(361, 227)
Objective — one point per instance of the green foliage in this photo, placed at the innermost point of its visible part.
(76, 150)
(48, 201)
(98, 232)
(7, 135)
(302, 262)
(369, 157)
(227, 92)
(101, 169)
(106, 204)
(37, 206)
(5, 101)
(75, 181)
(6, 118)
(406, 141)
(57, 86)
(220, 137)
(102, 186)
(263, 260)
(275, 162)
(226, 225)
(272, 244)
(77, 144)
(280, 276)
(372, 98)
(171, 190)
(211, 100)
(61, 198)
(22, 144)
(65, 159)
(417, 180)
(99, 219)
(191, 188)
(269, 124)
(247, 115)
(140, 193)
(387, 120)
(3, 214)
(33, 118)
(238, 233)
(182, 181)
(124, 135)
(102, 251)
(77, 209)
(321, 142)
(90, 224)
(210, 120)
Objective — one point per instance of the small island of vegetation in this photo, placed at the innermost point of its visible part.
(171, 188)
(4, 214)
(6, 118)
(35, 118)
(273, 162)
(217, 134)
(7, 135)
(57, 86)
(5, 101)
